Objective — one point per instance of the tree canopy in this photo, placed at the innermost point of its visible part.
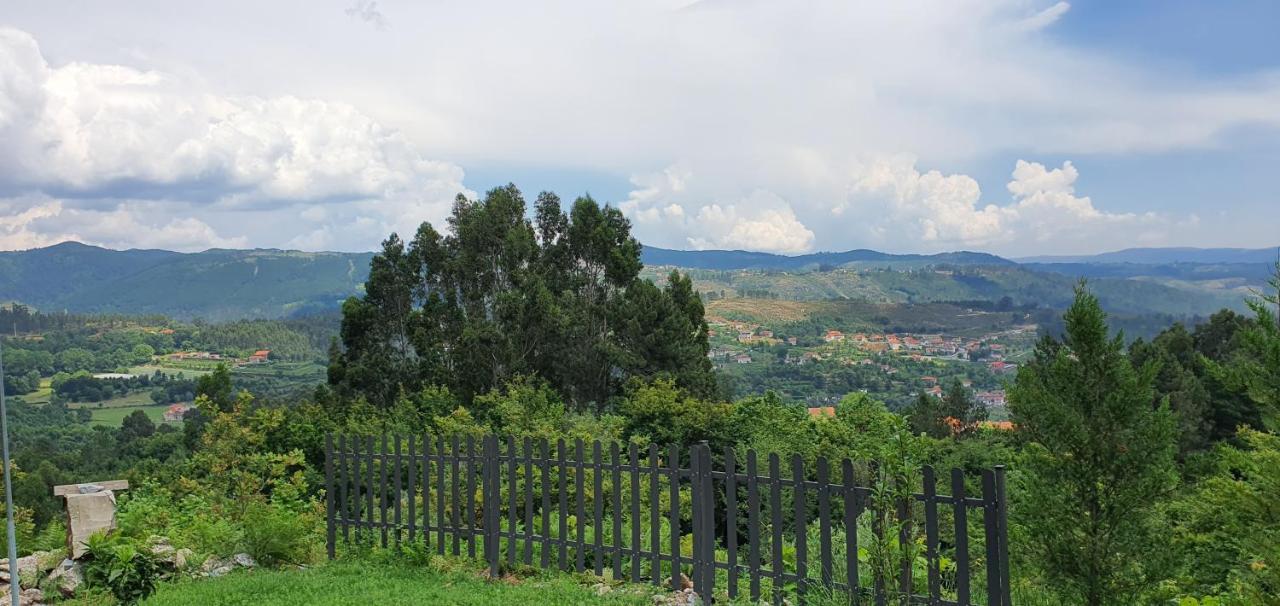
(499, 295)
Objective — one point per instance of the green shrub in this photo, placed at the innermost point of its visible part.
(274, 535)
(121, 565)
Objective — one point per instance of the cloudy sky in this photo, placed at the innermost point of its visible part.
(1013, 126)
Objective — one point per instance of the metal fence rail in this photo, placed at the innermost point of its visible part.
(714, 522)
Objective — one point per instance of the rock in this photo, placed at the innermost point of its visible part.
(182, 558)
(28, 570)
(86, 515)
(66, 578)
(28, 597)
(243, 560)
(221, 570)
(161, 548)
(601, 588)
(210, 563)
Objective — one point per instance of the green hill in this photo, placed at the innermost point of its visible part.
(213, 285)
(943, 283)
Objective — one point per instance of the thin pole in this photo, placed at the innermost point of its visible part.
(15, 586)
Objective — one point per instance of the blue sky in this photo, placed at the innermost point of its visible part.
(1018, 127)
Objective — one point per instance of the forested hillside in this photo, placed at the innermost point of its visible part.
(213, 285)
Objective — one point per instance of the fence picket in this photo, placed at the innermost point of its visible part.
(617, 511)
(513, 509)
(633, 456)
(960, 512)
(990, 525)
(368, 489)
(775, 523)
(545, 555)
(528, 501)
(824, 520)
(731, 519)
(471, 497)
(655, 505)
(563, 535)
(398, 492)
(801, 517)
(579, 552)
(382, 489)
(597, 500)
(753, 524)
(852, 511)
(344, 489)
(411, 475)
(931, 536)
(673, 464)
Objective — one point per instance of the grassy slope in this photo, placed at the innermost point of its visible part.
(366, 583)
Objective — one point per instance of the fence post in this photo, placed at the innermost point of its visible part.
(331, 537)
(703, 514)
(491, 497)
(1002, 531)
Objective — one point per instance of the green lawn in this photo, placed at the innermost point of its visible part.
(113, 416)
(132, 399)
(41, 395)
(360, 582)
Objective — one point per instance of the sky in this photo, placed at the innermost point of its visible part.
(1018, 127)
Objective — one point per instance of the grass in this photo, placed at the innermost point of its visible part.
(365, 582)
(113, 416)
(173, 371)
(41, 395)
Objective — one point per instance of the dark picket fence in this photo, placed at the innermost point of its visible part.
(749, 528)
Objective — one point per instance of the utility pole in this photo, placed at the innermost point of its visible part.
(15, 586)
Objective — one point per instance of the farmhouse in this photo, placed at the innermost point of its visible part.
(833, 336)
(260, 356)
(823, 411)
(991, 398)
(176, 412)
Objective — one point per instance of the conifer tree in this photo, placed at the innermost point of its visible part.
(1098, 457)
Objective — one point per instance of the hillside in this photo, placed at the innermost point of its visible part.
(213, 285)
(976, 283)
(268, 283)
(1162, 256)
(741, 259)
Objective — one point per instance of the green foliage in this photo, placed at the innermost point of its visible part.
(1098, 456)
(275, 535)
(500, 296)
(122, 565)
(661, 413)
(1226, 530)
(1257, 370)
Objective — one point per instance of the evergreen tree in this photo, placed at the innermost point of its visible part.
(1256, 370)
(500, 296)
(1098, 457)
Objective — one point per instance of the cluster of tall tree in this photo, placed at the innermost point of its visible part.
(498, 295)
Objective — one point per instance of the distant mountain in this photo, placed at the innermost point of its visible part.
(742, 259)
(1165, 256)
(214, 284)
(267, 283)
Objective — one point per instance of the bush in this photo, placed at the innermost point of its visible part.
(121, 565)
(274, 535)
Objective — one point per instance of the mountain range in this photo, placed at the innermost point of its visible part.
(220, 284)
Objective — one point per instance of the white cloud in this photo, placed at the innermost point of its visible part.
(245, 114)
(34, 221)
(896, 202)
(1045, 17)
(106, 132)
